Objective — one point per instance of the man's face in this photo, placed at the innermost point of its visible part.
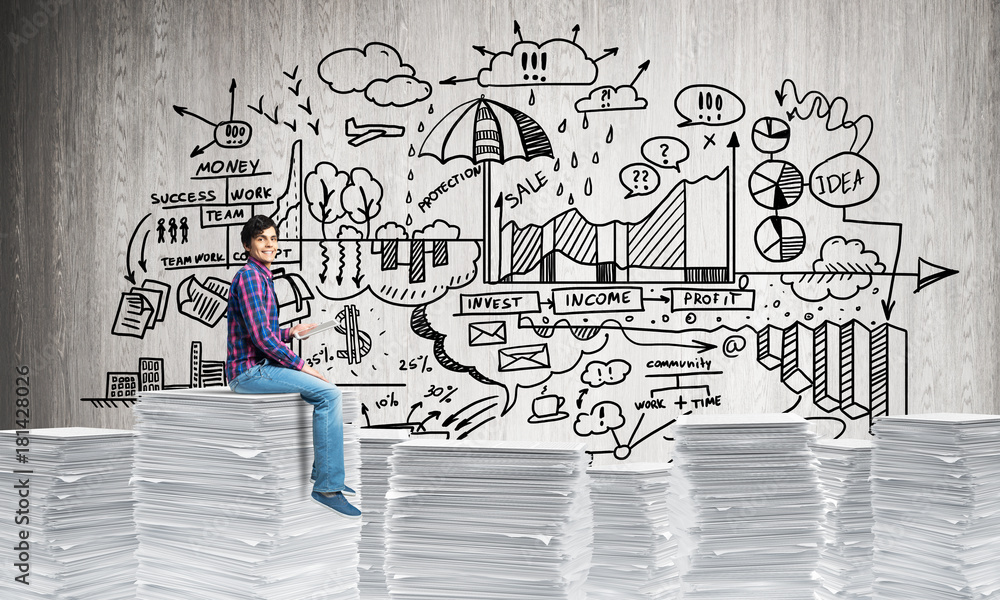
(264, 246)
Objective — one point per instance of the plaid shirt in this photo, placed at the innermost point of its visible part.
(253, 323)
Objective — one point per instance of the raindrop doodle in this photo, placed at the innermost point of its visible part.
(409, 198)
(562, 126)
(559, 190)
(588, 187)
(531, 98)
(409, 220)
(596, 158)
(586, 121)
(572, 161)
(555, 167)
(611, 134)
(413, 152)
(410, 175)
(420, 126)
(430, 110)
(571, 198)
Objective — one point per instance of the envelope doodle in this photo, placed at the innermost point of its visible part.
(519, 358)
(487, 333)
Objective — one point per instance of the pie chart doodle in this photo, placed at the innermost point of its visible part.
(770, 135)
(776, 184)
(780, 239)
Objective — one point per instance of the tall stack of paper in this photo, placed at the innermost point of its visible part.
(376, 448)
(223, 507)
(746, 507)
(67, 528)
(634, 550)
(845, 563)
(936, 500)
(488, 520)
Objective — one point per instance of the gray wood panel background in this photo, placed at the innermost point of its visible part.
(90, 134)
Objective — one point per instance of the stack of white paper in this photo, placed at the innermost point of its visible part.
(488, 520)
(67, 526)
(376, 448)
(634, 550)
(845, 563)
(936, 500)
(223, 507)
(746, 507)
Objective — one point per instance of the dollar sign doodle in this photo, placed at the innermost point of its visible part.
(358, 342)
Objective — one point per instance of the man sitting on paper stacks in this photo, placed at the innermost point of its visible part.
(258, 361)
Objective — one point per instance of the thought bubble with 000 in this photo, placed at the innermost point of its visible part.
(639, 179)
(668, 152)
(708, 105)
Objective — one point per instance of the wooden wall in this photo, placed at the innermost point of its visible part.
(93, 138)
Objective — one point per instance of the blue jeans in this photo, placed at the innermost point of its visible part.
(328, 420)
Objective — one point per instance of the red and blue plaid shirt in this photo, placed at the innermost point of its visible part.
(253, 323)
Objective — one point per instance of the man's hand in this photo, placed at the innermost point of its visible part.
(314, 373)
(300, 328)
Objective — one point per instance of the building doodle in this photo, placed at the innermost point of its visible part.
(594, 283)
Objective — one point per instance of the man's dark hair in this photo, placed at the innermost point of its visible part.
(254, 226)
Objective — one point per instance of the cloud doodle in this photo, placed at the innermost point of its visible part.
(608, 98)
(378, 71)
(604, 417)
(612, 372)
(844, 268)
(555, 62)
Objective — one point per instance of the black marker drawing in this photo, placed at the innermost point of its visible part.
(227, 134)
(204, 302)
(358, 135)
(603, 418)
(599, 373)
(655, 248)
(665, 151)
(780, 239)
(770, 135)
(610, 98)
(488, 333)
(377, 71)
(122, 386)
(141, 308)
(357, 341)
(815, 104)
(499, 133)
(849, 367)
(843, 269)
(141, 261)
(518, 358)
(547, 409)
(711, 105)
(776, 184)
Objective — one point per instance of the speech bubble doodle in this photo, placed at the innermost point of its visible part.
(706, 104)
(667, 152)
(639, 179)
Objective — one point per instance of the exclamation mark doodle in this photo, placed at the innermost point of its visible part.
(524, 65)
(544, 57)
